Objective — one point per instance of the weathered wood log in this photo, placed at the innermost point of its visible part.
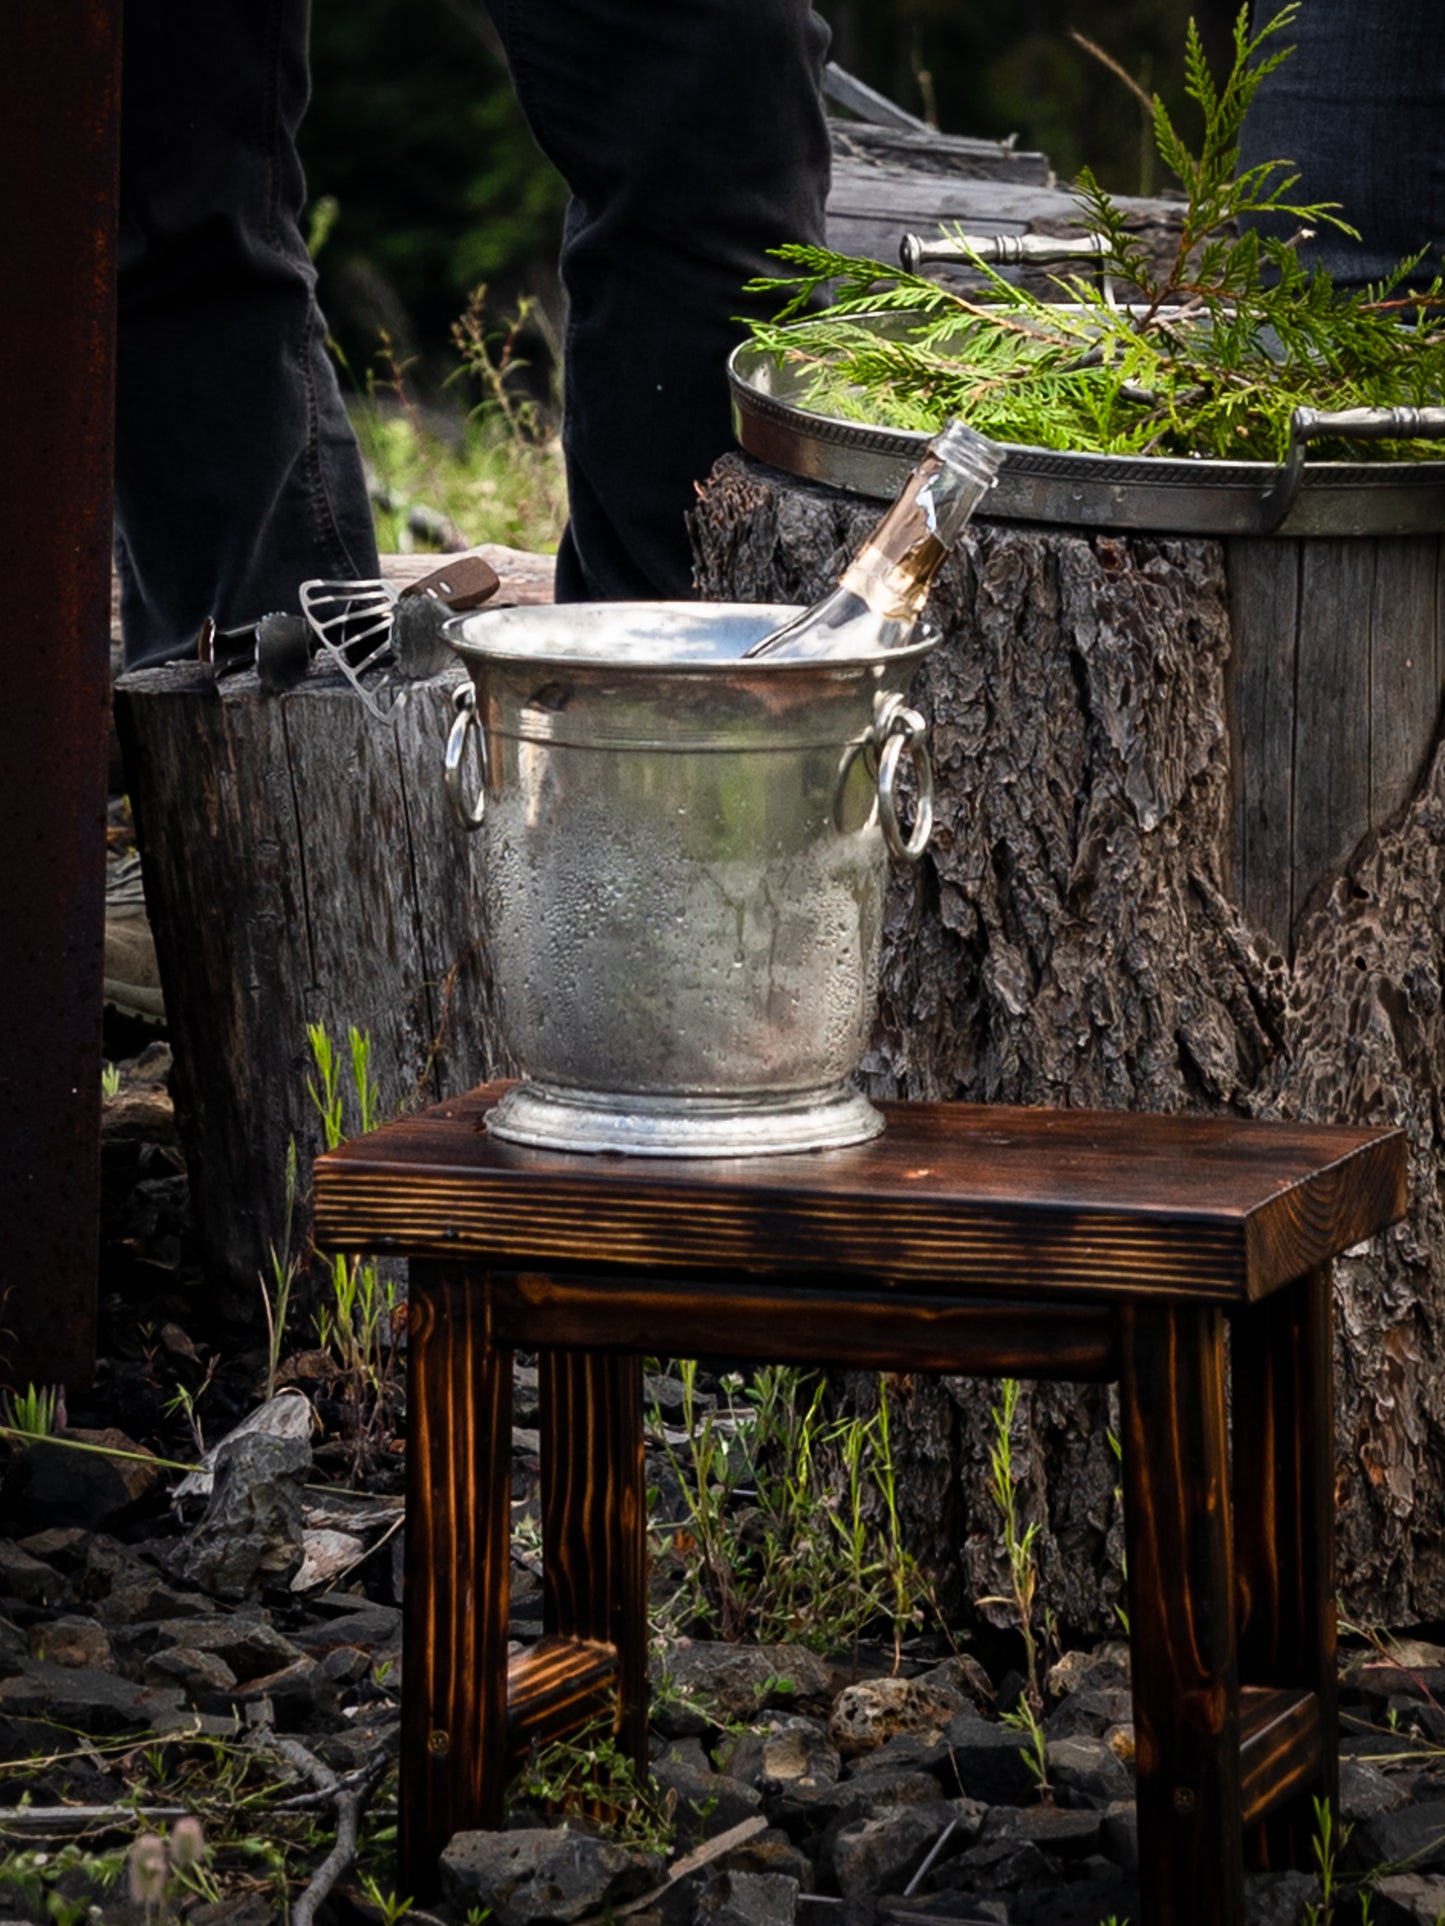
(1076, 937)
(300, 868)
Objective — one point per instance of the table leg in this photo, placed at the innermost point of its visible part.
(458, 1549)
(1181, 1606)
(594, 1518)
(1284, 1527)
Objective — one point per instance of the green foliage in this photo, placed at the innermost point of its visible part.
(46, 1880)
(493, 475)
(1019, 1548)
(1209, 357)
(31, 1413)
(358, 1320)
(588, 1779)
(1331, 1838)
(792, 1527)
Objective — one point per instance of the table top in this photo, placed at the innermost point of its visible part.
(1068, 1203)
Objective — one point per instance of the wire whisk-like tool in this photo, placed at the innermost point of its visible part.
(352, 623)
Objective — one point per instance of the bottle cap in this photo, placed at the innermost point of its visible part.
(964, 447)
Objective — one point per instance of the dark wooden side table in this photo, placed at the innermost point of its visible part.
(978, 1240)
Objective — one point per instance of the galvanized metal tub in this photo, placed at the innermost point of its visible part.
(685, 866)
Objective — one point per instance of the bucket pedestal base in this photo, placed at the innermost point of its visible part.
(549, 1117)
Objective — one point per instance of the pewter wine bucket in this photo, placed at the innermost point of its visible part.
(685, 869)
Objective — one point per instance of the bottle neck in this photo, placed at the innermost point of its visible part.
(894, 568)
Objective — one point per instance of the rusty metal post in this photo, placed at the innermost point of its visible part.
(59, 150)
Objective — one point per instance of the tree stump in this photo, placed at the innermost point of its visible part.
(1075, 937)
(301, 867)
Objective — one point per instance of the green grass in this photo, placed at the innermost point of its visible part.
(489, 472)
(490, 488)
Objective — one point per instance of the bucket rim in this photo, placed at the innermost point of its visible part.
(511, 637)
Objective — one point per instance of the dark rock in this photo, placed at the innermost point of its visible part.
(968, 1909)
(993, 1866)
(1119, 1834)
(142, 1595)
(732, 1684)
(665, 1396)
(526, 1395)
(22, 1739)
(1407, 1899)
(1365, 1791)
(1412, 1838)
(104, 1564)
(14, 1648)
(798, 1758)
(74, 1781)
(770, 1852)
(797, 1772)
(863, 1797)
(250, 1646)
(740, 1754)
(96, 1702)
(207, 1681)
(48, 1485)
(1066, 1833)
(298, 1694)
(865, 1716)
(880, 1854)
(375, 1627)
(1087, 1772)
(539, 1877)
(988, 1761)
(1105, 1669)
(29, 1579)
(907, 1753)
(1089, 1712)
(63, 1546)
(748, 1899)
(347, 1664)
(1361, 1741)
(250, 1535)
(1414, 1716)
(707, 1802)
(360, 1740)
(1083, 1903)
(962, 1674)
(1279, 1898)
(72, 1641)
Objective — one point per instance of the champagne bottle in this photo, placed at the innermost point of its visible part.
(878, 601)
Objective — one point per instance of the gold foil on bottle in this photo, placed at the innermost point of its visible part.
(892, 570)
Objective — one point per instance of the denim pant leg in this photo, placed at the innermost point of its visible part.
(1359, 109)
(237, 475)
(692, 138)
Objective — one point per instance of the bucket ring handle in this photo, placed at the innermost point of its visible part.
(899, 730)
(467, 815)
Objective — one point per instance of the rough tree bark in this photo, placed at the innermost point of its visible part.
(1070, 940)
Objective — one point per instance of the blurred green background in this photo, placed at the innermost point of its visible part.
(437, 185)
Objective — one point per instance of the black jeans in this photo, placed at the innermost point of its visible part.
(1359, 109)
(691, 135)
(237, 475)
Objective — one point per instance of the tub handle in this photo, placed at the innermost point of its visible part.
(899, 730)
(465, 814)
